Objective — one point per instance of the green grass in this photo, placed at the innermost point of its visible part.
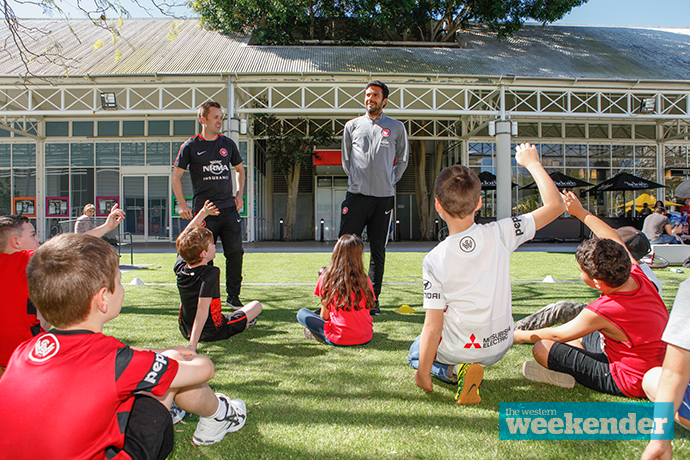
(311, 401)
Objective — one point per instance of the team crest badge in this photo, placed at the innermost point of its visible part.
(345, 210)
(467, 244)
(223, 152)
(385, 132)
(46, 347)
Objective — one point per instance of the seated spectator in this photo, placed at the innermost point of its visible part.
(657, 228)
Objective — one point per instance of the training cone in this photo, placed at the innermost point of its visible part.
(405, 310)
(136, 281)
(549, 279)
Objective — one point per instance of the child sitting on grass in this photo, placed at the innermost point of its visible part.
(91, 395)
(610, 345)
(201, 317)
(468, 322)
(346, 298)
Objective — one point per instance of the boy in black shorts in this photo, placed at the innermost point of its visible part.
(99, 398)
(201, 317)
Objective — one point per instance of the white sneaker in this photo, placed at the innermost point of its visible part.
(212, 430)
(176, 413)
(535, 372)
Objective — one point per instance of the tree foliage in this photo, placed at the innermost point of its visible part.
(351, 21)
(289, 144)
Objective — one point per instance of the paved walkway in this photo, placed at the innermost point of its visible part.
(316, 246)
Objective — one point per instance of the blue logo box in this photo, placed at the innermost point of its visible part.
(589, 420)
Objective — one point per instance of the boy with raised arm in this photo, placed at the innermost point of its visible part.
(201, 317)
(467, 297)
(74, 393)
(610, 345)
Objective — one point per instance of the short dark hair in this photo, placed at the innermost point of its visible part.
(604, 260)
(660, 210)
(204, 108)
(66, 272)
(192, 242)
(379, 84)
(11, 226)
(636, 241)
(458, 189)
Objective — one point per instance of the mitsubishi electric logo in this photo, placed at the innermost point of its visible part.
(215, 167)
(472, 343)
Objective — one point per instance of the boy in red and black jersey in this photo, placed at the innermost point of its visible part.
(201, 317)
(74, 393)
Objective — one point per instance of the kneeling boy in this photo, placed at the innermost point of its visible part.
(469, 321)
(75, 393)
(201, 317)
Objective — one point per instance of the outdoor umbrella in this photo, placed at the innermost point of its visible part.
(489, 180)
(561, 181)
(624, 181)
(683, 190)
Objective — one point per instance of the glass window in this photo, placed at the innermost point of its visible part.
(109, 128)
(24, 182)
(576, 155)
(19, 126)
(82, 155)
(4, 133)
(107, 182)
(184, 127)
(108, 154)
(675, 155)
(5, 155)
(552, 155)
(243, 151)
(159, 127)
(599, 156)
(57, 155)
(132, 153)
(82, 128)
(132, 128)
(57, 128)
(622, 156)
(82, 190)
(24, 155)
(158, 153)
(57, 182)
(5, 192)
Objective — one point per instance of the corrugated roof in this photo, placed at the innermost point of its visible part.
(163, 46)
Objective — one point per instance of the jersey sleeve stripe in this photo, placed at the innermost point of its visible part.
(122, 360)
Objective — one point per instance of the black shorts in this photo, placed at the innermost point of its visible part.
(590, 366)
(149, 434)
(234, 323)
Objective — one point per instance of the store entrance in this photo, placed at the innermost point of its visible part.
(146, 200)
(330, 193)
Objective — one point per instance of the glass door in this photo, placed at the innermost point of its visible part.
(145, 200)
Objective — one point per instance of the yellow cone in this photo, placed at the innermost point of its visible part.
(405, 310)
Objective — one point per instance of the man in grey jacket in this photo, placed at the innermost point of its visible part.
(374, 157)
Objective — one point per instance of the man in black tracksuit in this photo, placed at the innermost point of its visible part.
(374, 157)
(210, 157)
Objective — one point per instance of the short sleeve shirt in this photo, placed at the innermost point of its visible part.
(68, 394)
(676, 332)
(192, 283)
(468, 277)
(210, 164)
(353, 327)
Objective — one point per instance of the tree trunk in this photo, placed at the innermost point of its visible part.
(292, 179)
(418, 150)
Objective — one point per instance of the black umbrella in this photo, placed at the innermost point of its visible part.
(561, 181)
(489, 180)
(624, 181)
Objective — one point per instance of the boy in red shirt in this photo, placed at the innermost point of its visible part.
(610, 345)
(97, 398)
(18, 316)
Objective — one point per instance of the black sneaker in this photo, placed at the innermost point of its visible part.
(234, 302)
(376, 311)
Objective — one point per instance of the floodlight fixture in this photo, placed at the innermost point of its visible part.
(647, 105)
(108, 101)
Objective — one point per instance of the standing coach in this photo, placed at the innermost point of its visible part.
(209, 156)
(374, 157)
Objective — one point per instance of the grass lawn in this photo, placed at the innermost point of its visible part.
(311, 401)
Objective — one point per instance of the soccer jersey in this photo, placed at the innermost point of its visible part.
(344, 327)
(67, 395)
(468, 277)
(642, 316)
(17, 313)
(210, 165)
(200, 281)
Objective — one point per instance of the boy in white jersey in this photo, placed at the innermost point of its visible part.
(467, 297)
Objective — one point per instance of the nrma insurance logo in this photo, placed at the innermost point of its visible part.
(580, 421)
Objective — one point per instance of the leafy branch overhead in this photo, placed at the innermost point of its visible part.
(361, 21)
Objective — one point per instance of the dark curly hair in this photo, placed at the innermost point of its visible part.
(604, 260)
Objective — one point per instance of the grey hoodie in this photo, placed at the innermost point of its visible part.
(369, 149)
